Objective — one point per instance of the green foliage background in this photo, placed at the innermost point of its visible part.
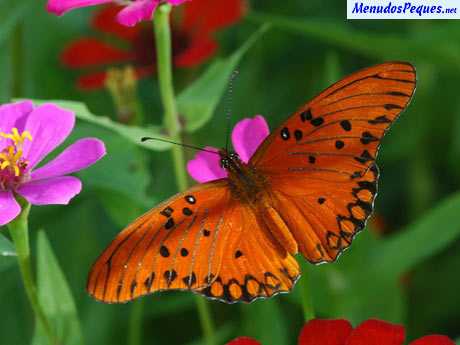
(409, 276)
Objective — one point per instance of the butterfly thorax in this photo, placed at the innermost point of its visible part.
(245, 183)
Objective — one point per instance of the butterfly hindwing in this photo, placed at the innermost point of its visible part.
(321, 161)
(201, 240)
(324, 219)
(254, 265)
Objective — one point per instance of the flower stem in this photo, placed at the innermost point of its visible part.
(307, 305)
(135, 323)
(171, 123)
(19, 230)
(164, 60)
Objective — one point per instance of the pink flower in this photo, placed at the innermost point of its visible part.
(340, 332)
(133, 12)
(247, 135)
(27, 135)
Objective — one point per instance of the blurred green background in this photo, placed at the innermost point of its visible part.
(405, 271)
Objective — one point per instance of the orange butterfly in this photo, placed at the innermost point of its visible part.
(308, 188)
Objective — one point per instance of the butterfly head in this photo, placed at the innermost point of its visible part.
(229, 159)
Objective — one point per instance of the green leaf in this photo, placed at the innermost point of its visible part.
(122, 172)
(332, 70)
(176, 302)
(457, 341)
(347, 288)
(7, 253)
(131, 133)
(198, 102)
(220, 336)
(419, 241)
(55, 297)
(373, 267)
(6, 247)
(412, 46)
(259, 314)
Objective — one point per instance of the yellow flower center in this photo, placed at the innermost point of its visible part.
(11, 156)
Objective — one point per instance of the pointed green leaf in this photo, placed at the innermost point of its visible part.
(55, 297)
(123, 173)
(332, 70)
(420, 240)
(131, 133)
(415, 45)
(7, 253)
(6, 247)
(373, 267)
(198, 102)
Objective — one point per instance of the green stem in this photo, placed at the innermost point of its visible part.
(164, 60)
(19, 230)
(171, 123)
(207, 325)
(307, 303)
(135, 323)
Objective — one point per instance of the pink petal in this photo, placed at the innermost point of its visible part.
(137, 11)
(376, 332)
(206, 166)
(433, 340)
(59, 7)
(9, 207)
(13, 115)
(49, 125)
(78, 156)
(53, 191)
(248, 134)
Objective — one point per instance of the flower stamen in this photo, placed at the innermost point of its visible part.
(11, 156)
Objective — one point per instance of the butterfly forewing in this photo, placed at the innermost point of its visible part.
(176, 245)
(321, 161)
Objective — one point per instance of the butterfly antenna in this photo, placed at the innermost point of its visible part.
(180, 144)
(228, 106)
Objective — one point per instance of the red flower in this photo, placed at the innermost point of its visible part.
(340, 332)
(192, 36)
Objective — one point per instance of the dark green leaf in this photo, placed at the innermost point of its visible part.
(221, 335)
(346, 288)
(177, 302)
(372, 44)
(55, 297)
(7, 253)
(198, 102)
(6, 247)
(124, 168)
(420, 240)
(255, 325)
(121, 178)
